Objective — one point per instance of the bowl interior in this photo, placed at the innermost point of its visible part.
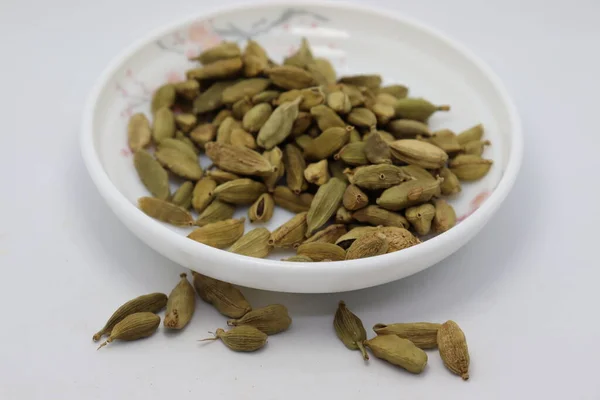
(355, 40)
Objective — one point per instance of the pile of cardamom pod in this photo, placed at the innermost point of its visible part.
(402, 344)
(346, 150)
(137, 318)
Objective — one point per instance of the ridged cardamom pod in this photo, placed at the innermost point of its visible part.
(453, 349)
(241, 338)
(271, 319)
(181, 304)
(225, 297)
(133, 327)
(349, 329)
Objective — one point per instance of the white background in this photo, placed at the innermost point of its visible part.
(525, 290)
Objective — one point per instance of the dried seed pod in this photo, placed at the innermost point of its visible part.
(294, 168)
(244, 89)
(216, 211)
(311, 97)
(471, 134)
(163, 97)
(225, 297)
(381, 176)
(420, 217)
(343, 216)
(339, 102)
(181, 304)
(241, 138)
(327, 143)
(222, 51)
(180, 136)
(138, 132)
(241, 107)
(152, 303)
(203, 193)
(185, 121)
(324, 69)
(377, 150)
(302, 57)
(370, 81)
(383, 112)
(398, 351)
(211, 99)
(453, 349)
(368, 245)
(378, 216)
(297, 259)
(451, 184)
(290, 77)
(398, 91)
(133, 327)
(279, 125)
(219, 69)
(189, 89)
(304, 141)
(301, 123)
(253, 244)
(422, 334)
(275, 158)
(409, 194)
(271, 319)
(417, 109)
(354, 198)
(164, 211)
(221, 176)
(240, 191)
(164, 124)
(446, 140)
(408, 129)
(256, 117)
(317, 173)
(225, 128)
(385, 98)
(179, 162)
(266, 97)
(255, 59)
(239, 160)
(183, 195)
(475, 147)
(362, 117)
(320, 251)
(326, 118)
(416, 152)
(262, 209)
(398, 238)
(241, 338)
(346, 240)
(220, 234)
(179, 146)
(291, 233)
(445, 216)
(328, 235)
(416, 172)
(285, 198)
(349, 329)
(203, 134)
(154, 177)
(326, 201)
(468, 167)
(337, 168)
(353, 154)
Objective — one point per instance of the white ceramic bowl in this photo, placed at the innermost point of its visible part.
(358, 40)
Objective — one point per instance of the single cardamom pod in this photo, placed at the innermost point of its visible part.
(337, 168)
(451, 184)
(179, 146)
(241, 338)
(422, 334)
(243, 89)
(328, 235)
(320, 251)
(279, 125)
(408, 129)
(302, 122)
(378, 216)
(377, 150)
(187, 141)
(212, 98)
(291, 233)
(420, 217)
(290, 77)
(225, 128)
(324, 205)
(240, 108)
(446, 140)
(294, 168)
(416, 172)
(285, 198)
(346, 240)
(468, 167)
(311, 97)
(398, 351)
(221, 176)
(216, 211)
(417, 109)
(189, 89)
(471, 134)
(154, 177)
(267, 96)
(475, 147)
(179, 163)
(349, 329)
(339, 102)
(239, 160)
(445, 216)
(362, 117)
(453, 348)
(326, 118)
(297, 259)
(255, 59)
(219, 69)
(409, 194)
(354, 198)
(275, 158)
(343, 216)
(353, 154)
(222, 51)
(253, 244)
(138, 132)
(385, 98)
(203, 134)
(302, 57)
(225, 297)
(398, 238)
(383, 112)
(262, 209)
(203, 193)
(153, 302)
(317, 173)
(323, 67)
(354, 93)
(241, 138)
(240, 191)
(163, 97)
(369, 81)
(380, 176)
(256, 117)
(164, 211)
(164, 124)
(416, 152)
(181, 304)
(398, 91)
(183, 195)
(327, 143)
(185, 122)
(370, 244)
(220, 234)
(133, 327)
(271, 319)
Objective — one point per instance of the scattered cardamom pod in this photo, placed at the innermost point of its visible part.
(240, 191)
(239, 160)
(254, 243)
(154, 177)
(256, 117)
(133, 327)
(362, 117)
(255, 59)
(302, 57)
(203, 193)
(398, 238)
(468, 167)
(294, 168)
(262, 209)
(211, 98)
(346, 240)
(279, 125)
(398, 91)
(354, 198)
(179, 146)
(164, 96)
(285, 198)
(339, 102)
(377, 216)
(164, 124)
(271, 319)
(203, 134)
(445, 216)
(138, 132)
(326, 118)
(291, 233)
(216, 211)
(417, 109)
(451, 184)
(165, 211)
(183, 195)
(290, 77)
(420, 217)
(343, 216)
(189, 89)
(409, 193)
(241, 338)
(320, 251)
(353, 154)
(179, 162)
(471, 134)
(245, 88)
(380, 176)
(225, 297)
(328, 235)
(377, 150)
(317, 173)
(453, 349)
(181, 304)
(327, 143)
(219, 69)
(422, 334)
(221, 176)
(185, 122)
(222, 51)
(419, 153)
(324, 205)
(475, 147)
(446, 140)
(368, 245)
(275, 158)
(349, 329)
(398, 351)
(408, 129)
(220, 234)
(266, 96)
(369, 81)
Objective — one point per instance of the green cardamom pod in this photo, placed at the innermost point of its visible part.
(164, 125)
(471, 134)
(253, 244)
(255, 59)
(225, 297)
(166, 212)
(203, 193)
(220, 234)
(398, 351)
(291, 233)
(216, 211)
(163, 97)
(133, 327)
(181, 305)
(420, 217)
(219, 69)
(294, 168)
(290, 77)
(183, 195)
(468, 167)
(243, 89)
(285, 198)
(222, 51)
(349, 329)
(279, 125)
(271, 319)
(154, 177)
(241, 338)
(139, 134)
(262, 209)
(256, 117)
(321, 251)
(417, 109)
(327, 143)
(324, 205)
(240, 191)
(377, 216)
(409, 193)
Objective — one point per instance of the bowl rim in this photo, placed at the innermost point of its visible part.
(268, 267)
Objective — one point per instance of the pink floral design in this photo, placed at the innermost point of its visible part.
(174, 76)
(203, 35)
(475, 204)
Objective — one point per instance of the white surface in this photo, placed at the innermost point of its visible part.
(525, 290)
(476, 96)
